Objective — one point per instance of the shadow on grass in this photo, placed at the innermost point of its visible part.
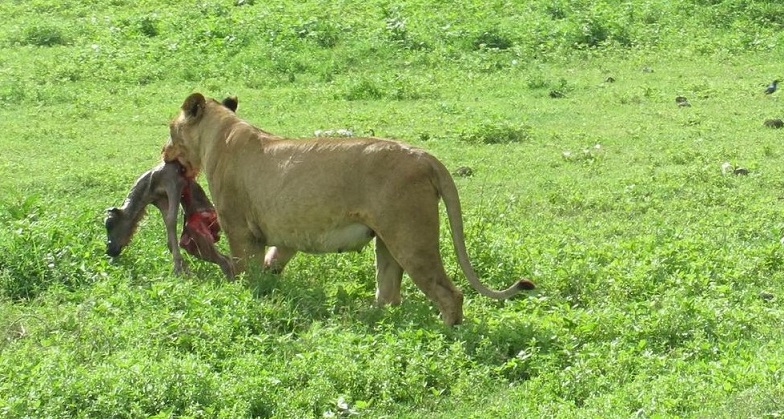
(302, 301)
(289, 306)
(293, 302)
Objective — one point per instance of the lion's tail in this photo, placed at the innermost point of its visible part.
(448, 191)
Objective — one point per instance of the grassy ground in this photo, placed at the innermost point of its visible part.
(660, 277)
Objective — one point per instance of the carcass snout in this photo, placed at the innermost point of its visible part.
(113, 250)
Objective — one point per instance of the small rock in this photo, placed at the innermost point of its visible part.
(555, 94)
(647, 69)
(742, 171)
(682, 101)
(774, 123)
(771, 87)
(464, 171)
(341, 132)
(726, 167)
(767, 296)
(609, 80)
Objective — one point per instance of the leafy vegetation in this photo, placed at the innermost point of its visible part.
(660, 275)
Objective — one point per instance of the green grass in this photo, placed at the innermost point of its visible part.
(660, 280)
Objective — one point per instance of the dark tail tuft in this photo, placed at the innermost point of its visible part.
(525, 284)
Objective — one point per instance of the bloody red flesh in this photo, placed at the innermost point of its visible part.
(201, 226)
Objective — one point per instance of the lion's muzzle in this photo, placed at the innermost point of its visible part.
(171, 153)
(168, 151)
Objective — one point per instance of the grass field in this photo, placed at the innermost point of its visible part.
(660, 276)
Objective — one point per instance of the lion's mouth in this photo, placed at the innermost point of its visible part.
(187, 171)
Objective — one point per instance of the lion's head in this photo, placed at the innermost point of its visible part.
(184, 144)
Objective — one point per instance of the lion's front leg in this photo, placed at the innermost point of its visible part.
(243, 247)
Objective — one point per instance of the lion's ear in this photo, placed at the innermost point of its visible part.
(194, 105)
(231, 102)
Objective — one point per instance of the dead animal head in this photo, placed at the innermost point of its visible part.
(119, 230)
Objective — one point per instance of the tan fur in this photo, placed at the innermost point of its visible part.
(327, 195)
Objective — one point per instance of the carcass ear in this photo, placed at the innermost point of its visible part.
(231, 102)
(113, 210)
(194, 105)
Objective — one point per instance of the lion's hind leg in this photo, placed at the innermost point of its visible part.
(429, 275)
(277, 258)
(421, 259)
(389, 275)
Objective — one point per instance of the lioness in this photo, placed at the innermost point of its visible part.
(327, 195)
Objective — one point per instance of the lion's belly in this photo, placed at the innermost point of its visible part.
(351, 237)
